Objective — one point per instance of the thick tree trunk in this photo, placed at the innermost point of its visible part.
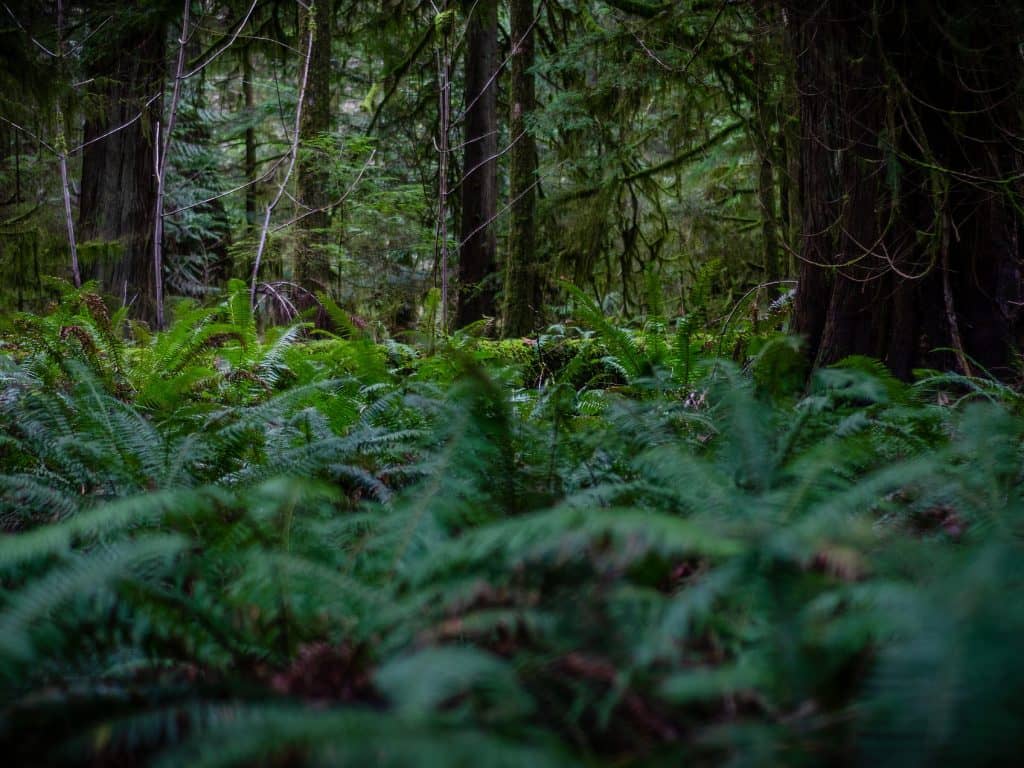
(478, 254)
(522, 276)
(118, 189)
(312, 260)
(910, 163)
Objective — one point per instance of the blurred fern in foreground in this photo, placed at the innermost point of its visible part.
(227, 549)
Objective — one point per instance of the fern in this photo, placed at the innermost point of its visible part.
(229, 547)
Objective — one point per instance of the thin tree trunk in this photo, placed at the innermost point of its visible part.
(62, 147)
(69, 218)
(250, 138)
(764, 132)
(478, 252)
(522, 275)
(769, 228)
(163, 150)
(789, 154)
(312, 261)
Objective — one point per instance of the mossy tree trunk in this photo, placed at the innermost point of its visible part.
(478, 253)
(118, 186)
(523, 272)
(248, 89)
(911, 170)
(764, 132)
(312, 257)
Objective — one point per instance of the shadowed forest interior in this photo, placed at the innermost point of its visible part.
(511, 382)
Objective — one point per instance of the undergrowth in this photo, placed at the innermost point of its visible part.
(602, 547)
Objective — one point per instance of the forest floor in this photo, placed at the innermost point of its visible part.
(603, 546)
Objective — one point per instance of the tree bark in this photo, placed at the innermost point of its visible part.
(769, 229)
(118, 186)
(764, 132)
(789, 154)
(312, 259)
(478, 253)
(910, 182)
(522, 278)
(251, 215)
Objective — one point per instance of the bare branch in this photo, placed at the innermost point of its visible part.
(490, 159)
(29, 133)
(231, 191)
(114, 130)
(292, 155)
(335, 204)
(226, 45)
(81, 43)
(696, 49)
(511, 204)
(35, 42)
(474, 140)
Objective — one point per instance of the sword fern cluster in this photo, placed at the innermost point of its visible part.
(222, 548)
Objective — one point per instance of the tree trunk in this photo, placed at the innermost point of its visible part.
(522, 277)
(118, 189)
(910, 178)
(764, 132)
(312, 260)
(478, 254)
(251, 216)
(769, 228)
(789, 154)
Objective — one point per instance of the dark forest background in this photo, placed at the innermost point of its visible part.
(667, 156)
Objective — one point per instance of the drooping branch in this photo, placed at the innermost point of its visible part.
(666, 165)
